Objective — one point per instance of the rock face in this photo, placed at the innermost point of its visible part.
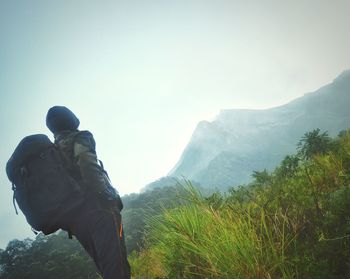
(224, 152)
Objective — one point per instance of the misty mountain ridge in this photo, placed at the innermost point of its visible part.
(226, 151)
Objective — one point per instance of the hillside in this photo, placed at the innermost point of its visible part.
(290, 223)
(224, 152)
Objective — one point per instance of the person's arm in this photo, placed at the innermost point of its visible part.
(94, 177)
(86, 159)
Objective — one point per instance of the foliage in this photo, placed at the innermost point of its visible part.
(207, 239)
(291, 223)
(314, 143)
(52, 257)
(139, 207)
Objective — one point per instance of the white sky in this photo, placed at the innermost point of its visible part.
(141, 74)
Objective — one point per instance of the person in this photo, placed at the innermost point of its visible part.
(96, 221)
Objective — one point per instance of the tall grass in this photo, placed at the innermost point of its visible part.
(291, 223)
(199, 241)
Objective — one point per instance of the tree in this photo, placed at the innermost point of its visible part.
(314, 143)
(51, 257)
(261, 177)
(289, 166)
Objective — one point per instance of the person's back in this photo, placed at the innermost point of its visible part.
(97, 222)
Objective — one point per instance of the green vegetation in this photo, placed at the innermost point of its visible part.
(293, 222)
(138, 207)
(52, 257)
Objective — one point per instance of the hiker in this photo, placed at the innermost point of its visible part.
(96, 222)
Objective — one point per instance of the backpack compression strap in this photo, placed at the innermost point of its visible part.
(13, 198)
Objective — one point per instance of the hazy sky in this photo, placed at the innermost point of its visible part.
(141, 74)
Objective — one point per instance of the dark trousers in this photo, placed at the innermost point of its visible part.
(99, 230)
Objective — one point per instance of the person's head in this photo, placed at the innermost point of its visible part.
(60, 118)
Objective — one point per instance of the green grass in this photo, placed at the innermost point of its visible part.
(198, 241)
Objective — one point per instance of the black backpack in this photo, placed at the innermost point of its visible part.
(43, 188)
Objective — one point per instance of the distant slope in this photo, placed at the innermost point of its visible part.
(224, 152)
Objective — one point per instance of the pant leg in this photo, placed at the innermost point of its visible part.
(99, 233)
(123, 247)
(111, 254)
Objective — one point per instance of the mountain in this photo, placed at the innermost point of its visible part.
(224, 152)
